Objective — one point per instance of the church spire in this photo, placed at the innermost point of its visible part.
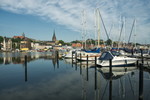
(54, 37)
(23, 34)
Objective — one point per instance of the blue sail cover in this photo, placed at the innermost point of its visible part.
(106, 56)
(95, 50)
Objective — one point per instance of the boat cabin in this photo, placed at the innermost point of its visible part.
(109, 55)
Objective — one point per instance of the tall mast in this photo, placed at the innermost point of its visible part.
(124, 20)
(84, 26)
(95, 26)
(131, 31)
(135, 33)
(98, 25)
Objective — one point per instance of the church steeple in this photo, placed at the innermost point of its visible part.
(23, 34)
(54, 37)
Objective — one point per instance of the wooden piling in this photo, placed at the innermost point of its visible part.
(95, 74)
(26, 78)
(76, 60)
(110, 89)
(110, 82)
(80, 67)
(87, 69)
(72, 59)
(141, 82)
(95, 61)
(25, 59)
(76, 57)
(80, 56)
(110, 67)
(142, 56)
(132, 51)
(137, 63)
(57, 58)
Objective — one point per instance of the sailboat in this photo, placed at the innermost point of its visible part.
(91, 54)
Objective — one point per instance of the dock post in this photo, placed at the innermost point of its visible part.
(72, 59)
(132, 52)
(76, 57)
(87, 60)
(95, 73)
(25, 57)
(95, 61)
(80, 57)
(80, 65)
(87, 69)
(142, 56)
(137, 63)
(110, 89)
(57, 58)
(76, 60)
(141, 82)
(110, 67)
(110, 82)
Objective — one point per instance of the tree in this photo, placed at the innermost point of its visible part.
(109, 42)
(61, 42)
(1, 39)
(76, 41)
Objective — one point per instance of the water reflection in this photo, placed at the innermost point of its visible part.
(122, 79)
(19, 58)
(47, 78)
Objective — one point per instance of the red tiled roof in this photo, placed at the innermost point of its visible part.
(21, 37)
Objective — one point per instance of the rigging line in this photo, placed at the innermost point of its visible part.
(104, 25)
(104, 91)
(120, 32)
(131, 85)
(121, 84)
(110, 29)
(131, 30)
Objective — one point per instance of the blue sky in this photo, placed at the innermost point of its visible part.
(38, 19)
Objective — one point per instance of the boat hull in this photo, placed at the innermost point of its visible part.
(117, 63)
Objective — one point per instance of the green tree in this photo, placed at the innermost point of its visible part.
(16, 43)
(61, 42)
(76, 41)
(109, 42)
(1, 39)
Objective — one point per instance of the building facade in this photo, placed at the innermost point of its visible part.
(7, 44)
(25, 44)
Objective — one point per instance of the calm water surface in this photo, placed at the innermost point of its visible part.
(44, 78)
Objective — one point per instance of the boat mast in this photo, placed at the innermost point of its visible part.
(120, 34)
(131, 30)
(84, 25)
(135, 33)
(95, 26)
(98, 25)
(124, 20)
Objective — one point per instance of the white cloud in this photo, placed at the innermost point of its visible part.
(68, 12)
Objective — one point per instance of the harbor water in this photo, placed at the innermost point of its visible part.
(39, 76)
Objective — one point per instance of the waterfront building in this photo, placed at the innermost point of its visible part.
(7, 44)
(25, 44)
